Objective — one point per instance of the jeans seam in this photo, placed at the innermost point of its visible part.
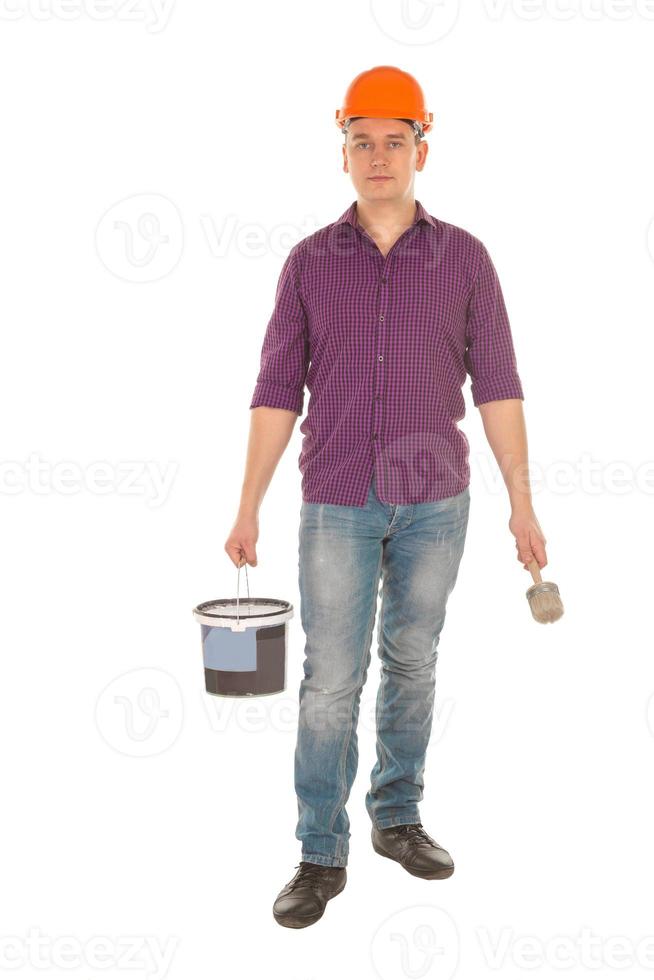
(383, 675)
(346, 745)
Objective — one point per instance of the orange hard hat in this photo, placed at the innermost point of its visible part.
(385, 92)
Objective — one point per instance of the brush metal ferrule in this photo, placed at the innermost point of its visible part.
(539, 587)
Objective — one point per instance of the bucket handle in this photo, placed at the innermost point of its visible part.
(237, 627)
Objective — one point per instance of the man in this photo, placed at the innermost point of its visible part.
(382, 314)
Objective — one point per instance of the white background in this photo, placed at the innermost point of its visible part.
(157, 166)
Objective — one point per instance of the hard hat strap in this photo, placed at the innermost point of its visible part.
(417, 127)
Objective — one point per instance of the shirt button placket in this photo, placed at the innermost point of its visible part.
(378, 382)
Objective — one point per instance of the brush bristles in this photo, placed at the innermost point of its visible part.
(546, 607)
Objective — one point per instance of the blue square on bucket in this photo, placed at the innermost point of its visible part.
(225, 649)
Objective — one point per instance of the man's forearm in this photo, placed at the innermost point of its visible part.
(270, 432)
(504, 425)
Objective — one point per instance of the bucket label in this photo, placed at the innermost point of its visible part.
(226, 650)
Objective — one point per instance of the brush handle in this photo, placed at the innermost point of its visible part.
(535, 571)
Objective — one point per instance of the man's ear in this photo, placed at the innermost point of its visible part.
(424, 153)
(344, 150)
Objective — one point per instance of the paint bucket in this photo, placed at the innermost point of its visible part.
(244, 644)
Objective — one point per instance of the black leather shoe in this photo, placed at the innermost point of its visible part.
(411, 846)
(302, 901)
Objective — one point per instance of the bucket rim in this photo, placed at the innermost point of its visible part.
(202, 609)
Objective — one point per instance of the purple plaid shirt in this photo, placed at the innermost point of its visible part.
(383, 344)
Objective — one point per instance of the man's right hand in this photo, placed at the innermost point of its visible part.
(242, 540)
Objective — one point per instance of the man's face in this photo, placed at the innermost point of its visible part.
(387, 147)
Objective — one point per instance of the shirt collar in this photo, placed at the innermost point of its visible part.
(350, 216)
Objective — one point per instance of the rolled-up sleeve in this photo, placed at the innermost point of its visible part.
(285, 350)
(490, 356)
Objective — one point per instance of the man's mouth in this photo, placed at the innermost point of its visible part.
(380, 177)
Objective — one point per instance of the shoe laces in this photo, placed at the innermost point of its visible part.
(416, 834)
(308, 874)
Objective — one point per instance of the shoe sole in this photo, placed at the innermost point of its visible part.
(430, 876)
(300, 921)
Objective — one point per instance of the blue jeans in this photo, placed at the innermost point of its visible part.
(343, 551)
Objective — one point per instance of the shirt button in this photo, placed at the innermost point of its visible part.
(381, 357)
(381, 317)
(384, 279)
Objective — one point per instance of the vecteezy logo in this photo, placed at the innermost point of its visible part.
(140, 713)
(418, 941)
(140, 239)
(415, 21)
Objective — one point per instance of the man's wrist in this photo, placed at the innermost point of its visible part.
(522, 504)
